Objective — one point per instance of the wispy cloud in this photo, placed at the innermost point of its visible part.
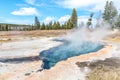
(84, 19)
(34, 2)
(77, 3)
(64, 19)
(49, 19)
(26, 11)
(21, 5)
(88, 4)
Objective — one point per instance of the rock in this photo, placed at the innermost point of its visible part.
(109, 62)
(27, 74)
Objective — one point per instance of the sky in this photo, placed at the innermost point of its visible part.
(24, 11)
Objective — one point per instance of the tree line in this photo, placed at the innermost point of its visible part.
(109, 15)
(12, 27)
(71, 23)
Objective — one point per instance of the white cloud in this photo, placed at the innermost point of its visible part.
(101, 4)
(63, 19)
(80, 19)
(32, 2)
(49, 19)
(25, 11)
(93, 5)
(84, 19)
(77, 3)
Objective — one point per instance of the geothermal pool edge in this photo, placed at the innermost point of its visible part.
(66, 69)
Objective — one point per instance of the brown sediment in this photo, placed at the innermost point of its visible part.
(20, 71)
(62, 70)
(6, 76)
(68, 68)
(108, 62)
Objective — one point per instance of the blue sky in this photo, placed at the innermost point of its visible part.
(23, 11)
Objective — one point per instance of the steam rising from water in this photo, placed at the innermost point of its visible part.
(52, 56)
(76, 42)
(77, 38)
(84, 34)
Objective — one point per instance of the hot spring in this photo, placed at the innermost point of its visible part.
(66, 50)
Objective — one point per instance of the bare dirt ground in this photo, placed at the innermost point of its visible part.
(26, 46)
(114, 38)
(6, 36)
(19, 51)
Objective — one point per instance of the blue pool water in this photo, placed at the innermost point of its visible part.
(62, 52)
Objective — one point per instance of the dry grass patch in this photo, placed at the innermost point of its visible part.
(104, 73)
(108, 69)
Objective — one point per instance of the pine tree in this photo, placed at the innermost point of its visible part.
(0, 27)
(63, 26)
(74, 17)
(6, 27)
(118, 22)
(57, 25)
(89, 23)
(54, 25)
(32, 27)
(110, 12)
(50, 25)
(37, 23)
(69, 25)
(43, 26)
(81, 24)
(46, 27)
(98, 23)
